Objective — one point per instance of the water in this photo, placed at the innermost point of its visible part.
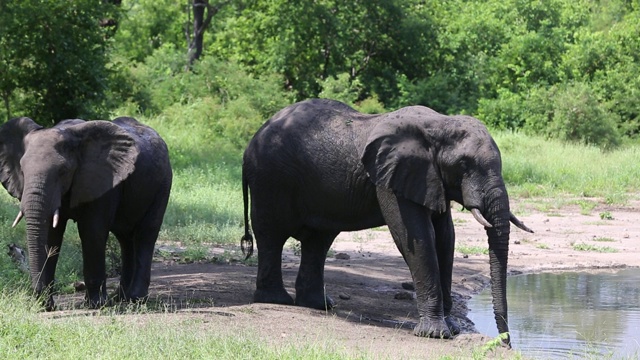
(569, 315)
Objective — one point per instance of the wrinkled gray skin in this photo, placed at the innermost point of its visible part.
(318, 167)
(108, 177)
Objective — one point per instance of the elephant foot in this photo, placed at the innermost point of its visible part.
(45, 297)
(320, 302)
(49, 305)
(97, 303)
(453, 325)
(96, 297)
(273, 297)
(120, 296)
(432, 328)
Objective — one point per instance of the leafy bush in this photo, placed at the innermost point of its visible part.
(342, 88)
(370, 105)
(570, 112)
(579, 117)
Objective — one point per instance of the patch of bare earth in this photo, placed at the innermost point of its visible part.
(365, 273)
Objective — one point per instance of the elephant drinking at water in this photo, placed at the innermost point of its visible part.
(108, 177)
(319, 167)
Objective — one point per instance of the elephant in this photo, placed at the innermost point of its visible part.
(319, 167)
(107, 176)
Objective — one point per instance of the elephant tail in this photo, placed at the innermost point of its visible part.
(246, 243)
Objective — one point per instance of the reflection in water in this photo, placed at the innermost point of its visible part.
(568, 315)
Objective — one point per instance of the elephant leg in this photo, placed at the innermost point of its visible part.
(141, 260)
(93, 236)
(414, 236)
(310, 291)
(138, 247)
(269, 285)
(94, 221)
(445, 245)
(127, 254)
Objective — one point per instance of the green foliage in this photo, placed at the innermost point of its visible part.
(148, 25)
(606, 215)
(579, 117)
(216, 98)
(341, 88)
(53, 57)
(570, 112)
(370, 105)
(311, 41)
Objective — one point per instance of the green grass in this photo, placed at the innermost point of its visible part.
(133, 334)
(593, 248)
(604, 239)
(586, 206)
(472, 250)
(606, 215)
(536, 167)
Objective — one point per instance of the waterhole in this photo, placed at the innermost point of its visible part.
(573, 315)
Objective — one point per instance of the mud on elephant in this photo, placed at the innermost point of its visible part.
(108, 177)
(318, 167)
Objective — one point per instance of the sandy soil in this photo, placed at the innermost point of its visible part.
(365, 275)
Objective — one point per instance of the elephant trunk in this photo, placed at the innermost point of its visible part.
(42, 259)
(498, 215)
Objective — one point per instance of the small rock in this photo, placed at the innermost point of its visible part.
(408, 286)
(465, 256)
(344, 296)
(517, 242)
(342, 256)
(626, 236)
(403, 295)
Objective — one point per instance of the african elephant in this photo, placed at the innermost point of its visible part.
(319, 167)
(108, 177)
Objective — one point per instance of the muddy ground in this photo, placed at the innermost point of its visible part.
(365, 275)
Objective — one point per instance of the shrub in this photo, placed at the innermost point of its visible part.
(570, 112)
(579, 117)
(370, 105)
(341, 88)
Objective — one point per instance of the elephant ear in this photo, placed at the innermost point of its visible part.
(12, 148)
(107, 156)
(400, 157)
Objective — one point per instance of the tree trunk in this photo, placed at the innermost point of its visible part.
(200, 24)
(195, 46)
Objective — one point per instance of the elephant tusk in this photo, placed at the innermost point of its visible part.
(17, 220)
(56, 217)
(479, 218)
(519, 223)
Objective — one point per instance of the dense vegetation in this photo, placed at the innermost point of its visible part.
(556, 81)
(556, 68)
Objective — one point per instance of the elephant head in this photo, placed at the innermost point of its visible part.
(52, 171)
(430, 159)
